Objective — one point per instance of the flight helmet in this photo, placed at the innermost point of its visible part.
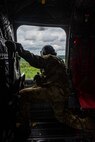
(48, 49)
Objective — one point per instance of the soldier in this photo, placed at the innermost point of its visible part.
(52, 87)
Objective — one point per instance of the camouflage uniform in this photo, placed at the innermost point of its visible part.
(54, 89)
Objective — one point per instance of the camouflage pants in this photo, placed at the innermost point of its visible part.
(56, 97)
(52, 95)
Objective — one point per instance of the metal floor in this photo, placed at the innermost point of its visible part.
(55, 132)
(45, 128)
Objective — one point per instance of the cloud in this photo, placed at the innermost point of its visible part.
(49, 38)
(33, 38)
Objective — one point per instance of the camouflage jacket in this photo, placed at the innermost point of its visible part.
(51, 66)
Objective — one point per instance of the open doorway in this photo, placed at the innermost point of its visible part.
(33, 38)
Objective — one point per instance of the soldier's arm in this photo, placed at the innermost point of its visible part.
(33, 60)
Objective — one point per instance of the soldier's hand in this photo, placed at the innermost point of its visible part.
(19, 48)
(10, 45)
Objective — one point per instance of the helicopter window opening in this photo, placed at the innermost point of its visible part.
(33, 38)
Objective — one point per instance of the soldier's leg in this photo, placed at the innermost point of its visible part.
(58, 100)
(56, 97)
(64, 115)
(28, 95)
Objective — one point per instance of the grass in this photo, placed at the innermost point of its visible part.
(28, 70)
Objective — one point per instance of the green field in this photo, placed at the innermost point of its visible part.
(28, 70)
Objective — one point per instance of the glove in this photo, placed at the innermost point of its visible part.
(10, 45)
(19, 48)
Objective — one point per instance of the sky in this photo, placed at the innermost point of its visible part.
(33, 38)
